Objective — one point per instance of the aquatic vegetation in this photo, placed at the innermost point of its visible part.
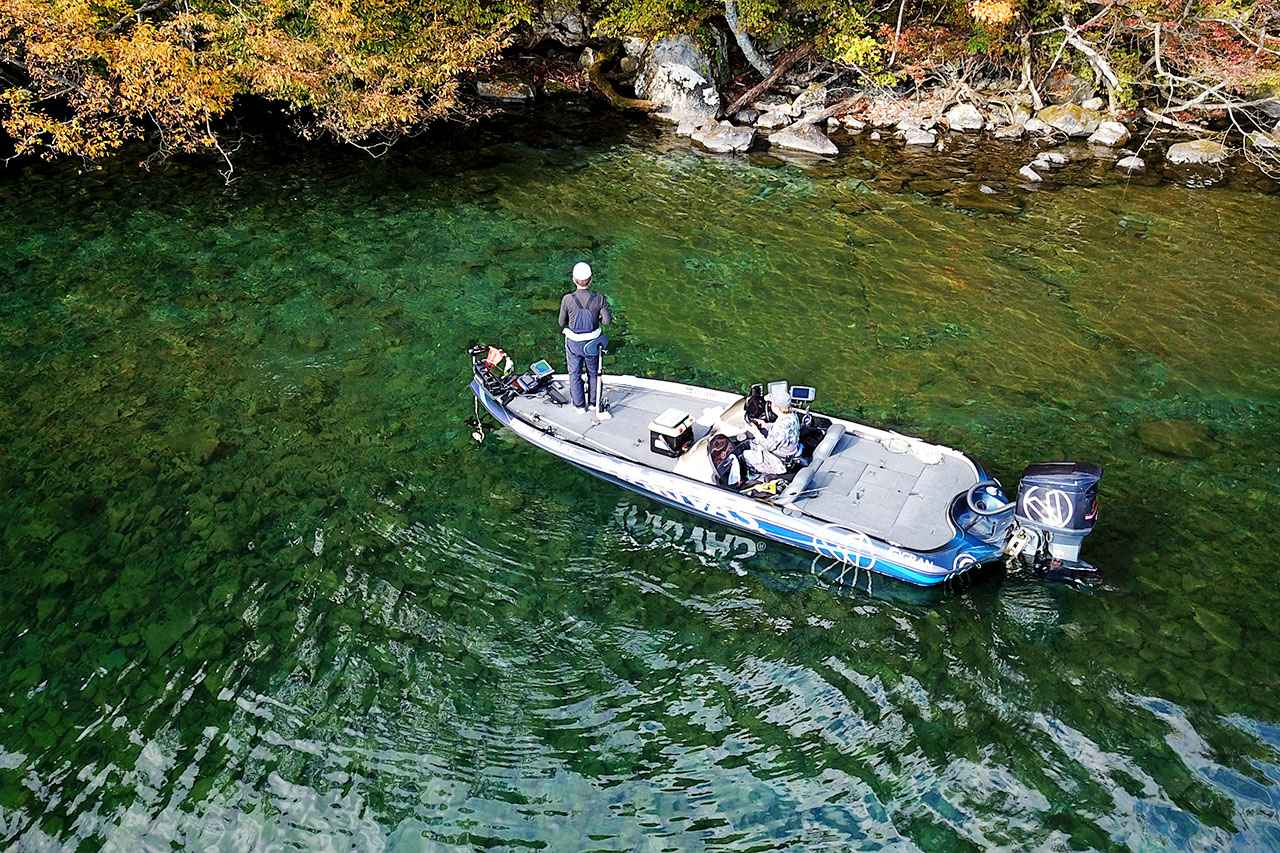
(263, 588)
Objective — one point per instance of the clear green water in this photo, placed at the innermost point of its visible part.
(262, 590)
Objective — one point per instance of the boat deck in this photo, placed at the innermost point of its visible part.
(897, 490)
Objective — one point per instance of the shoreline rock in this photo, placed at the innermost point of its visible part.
(804, 137)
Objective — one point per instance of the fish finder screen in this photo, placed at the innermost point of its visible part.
(803, 394)
(541, 368)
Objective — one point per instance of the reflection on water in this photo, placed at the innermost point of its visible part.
(263, 590)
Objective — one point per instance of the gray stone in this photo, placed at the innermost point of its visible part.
(1271, 108)
(725, 138)
(1030, 174)
(812, 98)
(1095, 104)
(1066, 88)
(746, 116)
(770, 121)
(563, 23)
(853, 124)
(804, 137)
(676, 50)
(1111, 134)
(965, 118)
(634, 47)
(1265, 141)
(1050, 160)
(772, 104)
(1013, 131)
(504, 90)
(1071, 119)
(874, 136)
(1131, 164)
(1198, 151)
(918, 136)
(1035, 125)
(685, 95)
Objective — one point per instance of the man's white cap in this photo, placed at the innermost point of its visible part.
(581, 272)
(779, 397)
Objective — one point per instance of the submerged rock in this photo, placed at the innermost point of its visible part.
(1110, 134)
(1198, 151)
(1187, 439)
(1131, 164)
(804, 137)
(724, 138)
(1010, 132)
(919, 136)
(1071, 119)
(1030, 174)
(965, 118)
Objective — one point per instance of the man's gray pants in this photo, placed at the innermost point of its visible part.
(577, 360)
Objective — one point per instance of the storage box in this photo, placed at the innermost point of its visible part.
(671, 433)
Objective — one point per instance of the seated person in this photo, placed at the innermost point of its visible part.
(724, 461)
(770, 452)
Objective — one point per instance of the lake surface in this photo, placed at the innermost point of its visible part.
(263, 590)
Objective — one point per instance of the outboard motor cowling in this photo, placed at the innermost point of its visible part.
(1059, 502)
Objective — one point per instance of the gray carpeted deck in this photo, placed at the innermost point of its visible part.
(862, 485)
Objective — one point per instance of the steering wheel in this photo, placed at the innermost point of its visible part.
(979, 502)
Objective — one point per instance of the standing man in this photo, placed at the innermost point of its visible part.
(582, 313)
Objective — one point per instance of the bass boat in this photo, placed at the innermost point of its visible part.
(869, 500)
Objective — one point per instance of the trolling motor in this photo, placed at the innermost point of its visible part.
(1057, 507)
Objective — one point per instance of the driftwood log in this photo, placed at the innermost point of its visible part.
(595, 72)
(788, 59)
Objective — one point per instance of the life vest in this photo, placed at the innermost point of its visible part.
(582, 324)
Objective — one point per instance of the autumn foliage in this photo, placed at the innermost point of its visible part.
(88, 77)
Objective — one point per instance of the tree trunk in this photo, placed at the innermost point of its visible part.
(760, 88)
(758, 62)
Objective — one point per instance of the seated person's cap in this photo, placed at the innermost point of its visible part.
(779, 397)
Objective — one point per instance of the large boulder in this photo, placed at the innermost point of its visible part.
(724, 138)
(562, 22)
(1111, 134)
(685, 95)
(964, 117)
(804, 137)
(681, 50)
(1197, 152)
(1132, 163)
(1071, 119)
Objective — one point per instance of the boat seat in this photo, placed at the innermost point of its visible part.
(800, 483)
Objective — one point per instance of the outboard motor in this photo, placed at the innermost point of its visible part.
(1057, 508)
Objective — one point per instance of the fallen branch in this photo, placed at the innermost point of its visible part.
(1096, 60)
(784, 64)
(1158, 118)
(838, 108)
(1027, 82)
(595, 72)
